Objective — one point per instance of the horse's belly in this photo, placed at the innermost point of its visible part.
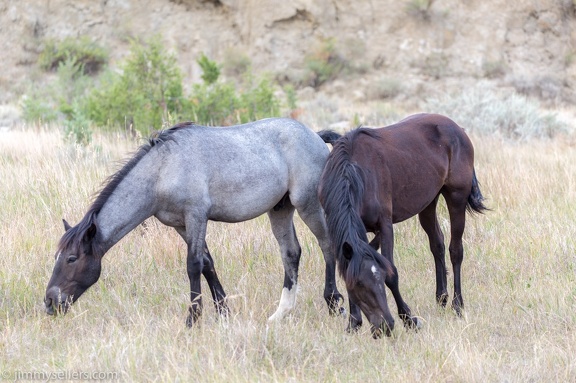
(246, 201)
(242, 209)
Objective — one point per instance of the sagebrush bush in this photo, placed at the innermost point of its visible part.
(483, 110)
(83, 51)
(61, 101)
(324, 64)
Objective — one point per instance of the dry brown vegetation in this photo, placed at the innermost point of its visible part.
(518, 283)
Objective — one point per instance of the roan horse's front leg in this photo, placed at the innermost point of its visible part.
(218, 294)
(209, 272)
(194, 235)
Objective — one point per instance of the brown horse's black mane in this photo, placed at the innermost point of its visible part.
(75, 234)
(342, 191)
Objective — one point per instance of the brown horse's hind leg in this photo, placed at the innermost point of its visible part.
(429, 222)
(456, 202)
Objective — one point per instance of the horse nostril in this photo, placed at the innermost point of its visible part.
(49, 306)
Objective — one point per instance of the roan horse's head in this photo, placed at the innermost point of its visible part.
(77, 268)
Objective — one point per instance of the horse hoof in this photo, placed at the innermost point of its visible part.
(342, 311)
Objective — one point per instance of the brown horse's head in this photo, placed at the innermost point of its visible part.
(77, 267)
(365, 276)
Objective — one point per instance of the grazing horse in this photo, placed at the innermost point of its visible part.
(376, 177)
(189, 174)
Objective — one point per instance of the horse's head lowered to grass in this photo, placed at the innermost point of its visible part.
(77, 267)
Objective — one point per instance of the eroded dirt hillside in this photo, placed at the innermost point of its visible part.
(525, 44)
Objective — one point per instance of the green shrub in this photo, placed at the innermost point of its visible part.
(83, 51)
(258, 101)
(291, 99)
(37, 109)
(494, 69)
(77, 126)
(52, 102)
(148, 89)
(210, 70)
(324, 64)
(219, 103)
(214, 104)
(386, 87)
(236, 62)
(145, 95)
(419, 8)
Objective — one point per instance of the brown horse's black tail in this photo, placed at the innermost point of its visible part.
(475, 199)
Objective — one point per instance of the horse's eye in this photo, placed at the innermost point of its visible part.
(71, 259)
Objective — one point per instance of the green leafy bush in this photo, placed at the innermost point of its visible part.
(148, 89)
(210, 70)
(83, 51)
(219, 103)
(325, 64)
(52, 102)
(214, 104)
(146, 94)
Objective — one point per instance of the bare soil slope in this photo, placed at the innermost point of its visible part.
(527, 44)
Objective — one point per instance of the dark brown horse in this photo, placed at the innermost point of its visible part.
(377, 177)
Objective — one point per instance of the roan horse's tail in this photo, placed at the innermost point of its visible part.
(475, 204)
(329, 136)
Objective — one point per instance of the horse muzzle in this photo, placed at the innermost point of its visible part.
(56, 302)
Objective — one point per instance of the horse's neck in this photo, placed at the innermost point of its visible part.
(128, 206)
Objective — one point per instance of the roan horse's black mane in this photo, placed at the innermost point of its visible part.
(74, 235)
(342, 189)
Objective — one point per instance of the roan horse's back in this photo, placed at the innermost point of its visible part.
(246, 169)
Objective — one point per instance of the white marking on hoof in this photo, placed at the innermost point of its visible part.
(287, 303)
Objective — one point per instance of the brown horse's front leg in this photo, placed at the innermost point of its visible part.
(355, 319)
(386, 235)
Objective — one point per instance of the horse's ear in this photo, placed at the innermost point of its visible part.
(347, 250)
(66, 225)
(90, 233)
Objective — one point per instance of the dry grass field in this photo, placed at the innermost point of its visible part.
(519, 284)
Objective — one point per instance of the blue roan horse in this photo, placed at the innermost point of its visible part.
(190, 174)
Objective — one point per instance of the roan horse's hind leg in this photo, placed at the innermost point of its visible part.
(313, 217)
(281, 220)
